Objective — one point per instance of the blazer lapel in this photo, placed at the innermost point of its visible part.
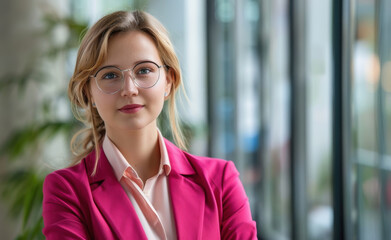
(112, 200)
(187, 197)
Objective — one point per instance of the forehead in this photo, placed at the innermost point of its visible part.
(130, 47)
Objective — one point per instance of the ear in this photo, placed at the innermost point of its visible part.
(170, 77)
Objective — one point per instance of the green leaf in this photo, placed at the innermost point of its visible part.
(29, 136)
(34, 232)
(22, 188)
(30, 200)
(19, 81)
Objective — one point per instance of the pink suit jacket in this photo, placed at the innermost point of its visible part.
(207, 197)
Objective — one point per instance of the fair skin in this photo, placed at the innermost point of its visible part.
(134, 134)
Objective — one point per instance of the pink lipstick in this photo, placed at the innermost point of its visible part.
(132, 108)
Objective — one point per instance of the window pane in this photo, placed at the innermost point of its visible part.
(384, 102)
(366, 76)
(386, 159)
(365, 121)
(248, 76)
(369, 225)
(387, 196)
(275, 124)
(319, 130)
(385, 60)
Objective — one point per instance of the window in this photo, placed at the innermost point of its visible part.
(371, 119)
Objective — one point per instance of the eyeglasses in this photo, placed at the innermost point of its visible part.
(111, 79)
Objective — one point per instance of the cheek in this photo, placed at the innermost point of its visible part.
(157, 92)
(103, 103)
(94, 91)
(155, 100)
(97, 96)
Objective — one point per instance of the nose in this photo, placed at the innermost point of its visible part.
(129, 88)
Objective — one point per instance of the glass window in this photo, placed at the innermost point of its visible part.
(248, 103)
(385, 106)
(92, 10)
(275, 120)
(319, 127)
(371, 118)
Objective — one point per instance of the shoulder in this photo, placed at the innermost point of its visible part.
(66, 197)
(216, 171)
(69, 173)
(66, 181)
(211, 166)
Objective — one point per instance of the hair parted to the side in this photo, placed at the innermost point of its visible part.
(91, 54)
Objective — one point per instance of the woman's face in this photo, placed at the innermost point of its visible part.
(132, 108)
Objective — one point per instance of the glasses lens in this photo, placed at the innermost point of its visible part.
(109, 79)
(146, 74)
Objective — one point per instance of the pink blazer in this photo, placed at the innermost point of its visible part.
(207, 196)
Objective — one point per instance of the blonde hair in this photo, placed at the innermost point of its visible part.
(91, 54)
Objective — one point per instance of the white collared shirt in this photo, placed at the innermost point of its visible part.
(151, 201)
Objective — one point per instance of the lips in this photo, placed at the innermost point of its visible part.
(131, 108)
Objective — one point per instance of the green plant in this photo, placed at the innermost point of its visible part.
(22, 183)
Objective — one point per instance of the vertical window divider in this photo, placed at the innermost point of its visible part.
(342, 164)
(263, 131)
(381, 130)
(298, 163)
(337, 120)
(212, 87)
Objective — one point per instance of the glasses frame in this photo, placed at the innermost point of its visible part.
(131, 76)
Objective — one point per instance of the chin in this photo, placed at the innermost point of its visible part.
(137, 125)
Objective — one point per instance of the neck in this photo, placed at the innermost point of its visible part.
(140, 149)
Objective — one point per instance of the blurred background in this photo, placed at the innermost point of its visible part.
(297, 93)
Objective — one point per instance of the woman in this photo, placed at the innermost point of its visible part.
(128, 182)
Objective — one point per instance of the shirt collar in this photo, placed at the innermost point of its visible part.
(119, 163)
(164, 159)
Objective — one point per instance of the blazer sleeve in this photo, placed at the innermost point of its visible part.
(61, 210)
(237, 222)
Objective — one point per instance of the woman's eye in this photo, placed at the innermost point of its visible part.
(144, 71)
(110, 76)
